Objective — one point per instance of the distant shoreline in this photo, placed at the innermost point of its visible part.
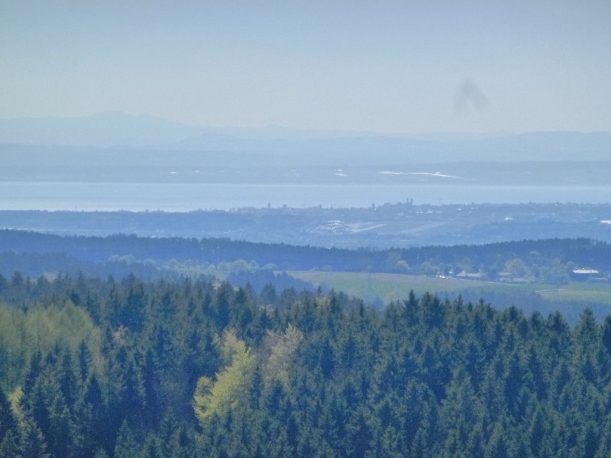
(185, 197)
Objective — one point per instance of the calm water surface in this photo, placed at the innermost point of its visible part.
(193, 196)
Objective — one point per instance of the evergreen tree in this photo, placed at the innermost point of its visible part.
(127, 446)
(32, 442)
(7, 419)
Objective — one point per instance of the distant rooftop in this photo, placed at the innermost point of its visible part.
(585, 271)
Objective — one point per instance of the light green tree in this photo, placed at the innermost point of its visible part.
(230, 385)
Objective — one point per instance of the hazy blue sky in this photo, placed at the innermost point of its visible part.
(410, 66)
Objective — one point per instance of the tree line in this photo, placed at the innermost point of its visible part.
(548, 260)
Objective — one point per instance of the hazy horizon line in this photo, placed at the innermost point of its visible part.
(289, 128)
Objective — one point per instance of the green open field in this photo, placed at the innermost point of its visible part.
(587, 292)
(388, 287)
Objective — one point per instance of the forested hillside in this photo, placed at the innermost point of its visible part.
(549, 260)
(92, 367)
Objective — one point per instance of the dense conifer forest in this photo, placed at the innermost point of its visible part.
(94, 367)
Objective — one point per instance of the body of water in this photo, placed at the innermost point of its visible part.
(193, 196)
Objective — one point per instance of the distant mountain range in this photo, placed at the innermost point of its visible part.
(115, 131)
(98, 130)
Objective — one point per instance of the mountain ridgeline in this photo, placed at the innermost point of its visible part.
(116, 129)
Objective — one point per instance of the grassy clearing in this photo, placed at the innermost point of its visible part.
(586, 292)
(385, 286)
(388, 287)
